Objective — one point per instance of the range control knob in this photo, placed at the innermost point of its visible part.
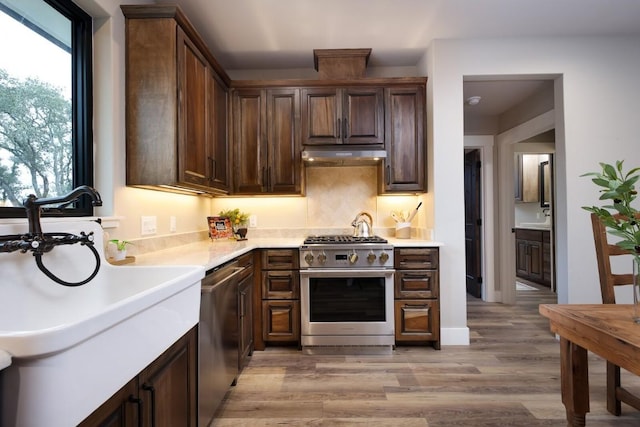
(309, 258)
(322, 258)
(384, 257)
(371, 257)
(353, 257)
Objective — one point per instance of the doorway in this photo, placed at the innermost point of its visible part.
(529, 115)
(533, 211)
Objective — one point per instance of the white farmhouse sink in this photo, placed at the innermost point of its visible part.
(73, 347)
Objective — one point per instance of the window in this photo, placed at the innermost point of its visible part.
(46, 145)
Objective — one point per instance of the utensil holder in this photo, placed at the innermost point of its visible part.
(403, 230)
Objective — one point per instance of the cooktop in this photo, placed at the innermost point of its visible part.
(342, 238)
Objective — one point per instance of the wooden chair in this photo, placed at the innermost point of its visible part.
(608, 281)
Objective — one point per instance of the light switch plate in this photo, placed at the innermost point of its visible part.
(253, 221)
(172, 224)
(148, 225)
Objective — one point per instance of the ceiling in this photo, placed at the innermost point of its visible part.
(281, 34)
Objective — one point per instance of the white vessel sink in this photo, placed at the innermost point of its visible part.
(73, 347)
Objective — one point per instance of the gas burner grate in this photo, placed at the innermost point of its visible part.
(342, 238)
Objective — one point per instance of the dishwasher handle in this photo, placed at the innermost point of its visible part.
(208, 288)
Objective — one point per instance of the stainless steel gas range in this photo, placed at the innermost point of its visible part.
(346, 292)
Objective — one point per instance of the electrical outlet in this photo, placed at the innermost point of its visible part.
(148, 225)
(253, 221)
(172, 224)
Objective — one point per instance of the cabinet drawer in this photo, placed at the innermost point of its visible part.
(417, 320)
(524, 234)
(281, 320)
(280, 259)
(416, 258)
(416, 284)
(280, 284)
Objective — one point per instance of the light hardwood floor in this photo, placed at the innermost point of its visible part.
(508, 376)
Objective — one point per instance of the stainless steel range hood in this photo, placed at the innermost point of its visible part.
(342, 156)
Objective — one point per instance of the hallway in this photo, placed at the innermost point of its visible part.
(508, 376)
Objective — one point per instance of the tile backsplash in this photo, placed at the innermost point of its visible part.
(334, 196)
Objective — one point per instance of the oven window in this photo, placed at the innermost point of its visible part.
(347, 299)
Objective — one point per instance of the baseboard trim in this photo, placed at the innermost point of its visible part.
(454, 336)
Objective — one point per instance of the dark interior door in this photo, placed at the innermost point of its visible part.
(473, 222)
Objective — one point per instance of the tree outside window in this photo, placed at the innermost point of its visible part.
(45, 101)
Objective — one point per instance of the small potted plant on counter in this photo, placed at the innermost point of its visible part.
(121, 249)
(239, 222)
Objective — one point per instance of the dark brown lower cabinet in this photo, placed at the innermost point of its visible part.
(533, 255)
(163, 394)
(416, 293)
(280, 297)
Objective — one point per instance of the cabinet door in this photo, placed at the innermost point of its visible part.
(404, 167)
(417, 320)
(250, 151)
(245, 319)
(284, 171)
(321, 116)
(535, 260)
(363, 116)
(280, 284)
(121, 410)
(522, 258)
(281, 320)
(217, 116)
(530, 177)
(168, 385)
(192, 113)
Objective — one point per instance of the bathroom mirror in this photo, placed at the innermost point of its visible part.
(545, 184)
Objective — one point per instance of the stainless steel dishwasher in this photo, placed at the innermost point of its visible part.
(218, 338)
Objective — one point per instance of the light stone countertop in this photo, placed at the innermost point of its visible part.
(211, 254)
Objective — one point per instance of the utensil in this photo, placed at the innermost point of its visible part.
(414, 212)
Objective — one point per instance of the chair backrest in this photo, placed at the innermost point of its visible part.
(604, 252)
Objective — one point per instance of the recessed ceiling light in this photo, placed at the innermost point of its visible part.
(473, 100)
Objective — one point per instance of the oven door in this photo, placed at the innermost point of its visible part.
(347, 307)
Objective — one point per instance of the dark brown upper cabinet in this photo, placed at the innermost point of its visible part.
(351, 115)
(176, 105)
(266, 138)
(404, 168)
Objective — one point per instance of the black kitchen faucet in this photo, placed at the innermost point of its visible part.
(39, 243)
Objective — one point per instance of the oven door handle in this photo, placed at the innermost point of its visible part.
(346, 272)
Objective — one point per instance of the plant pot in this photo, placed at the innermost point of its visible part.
(119, 255)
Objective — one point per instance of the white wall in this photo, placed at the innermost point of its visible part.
(597, 122)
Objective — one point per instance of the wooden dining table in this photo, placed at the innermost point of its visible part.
(607, 330)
